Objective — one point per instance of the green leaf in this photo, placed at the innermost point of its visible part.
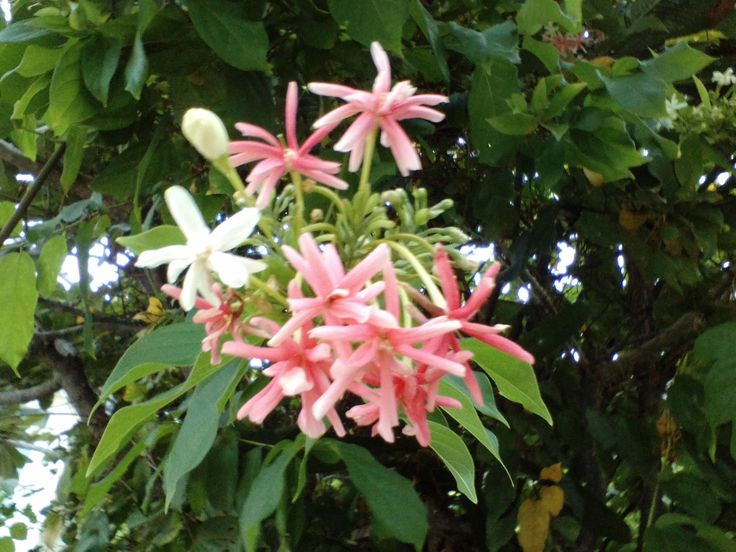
(391, 498)
(430, 30)
(118, 178)
(716, 343)
(563, 97)
(720, 399)
(455, 455)
(173, 345)
(19, 531)
(21, 106)
(124, 422)
(155, 238)
(198, 432)
(37, 60)
(691, 494)
(480, 47)
(702, 92)
(53, 253)
(369, 20)
(22, 31)
(6, 544)
(468, 418)
(100, 58)
(69, 102)
(7, 209)
(545, 52)
(492, 84)
(136, 70)
(76, 138)
(515, 379)
(535, 14)
(18, 297)
(514, 124)
(641, 94)
(224, 27)
(266, 489)
(677, 63)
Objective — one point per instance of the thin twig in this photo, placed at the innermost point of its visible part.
(20, 396)
(31, 193)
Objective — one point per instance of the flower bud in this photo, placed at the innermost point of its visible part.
(206, 132)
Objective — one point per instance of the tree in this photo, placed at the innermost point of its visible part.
(587, 145)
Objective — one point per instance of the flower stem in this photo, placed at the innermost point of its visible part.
(434, 293)
(364, 186)
(265, 288)
(298, 216)
(226, 169)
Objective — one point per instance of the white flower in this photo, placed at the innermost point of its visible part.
(206, 132)
(724, 79)
(204, 251)
(674, 105)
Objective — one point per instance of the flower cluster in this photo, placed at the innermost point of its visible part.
(358, 331)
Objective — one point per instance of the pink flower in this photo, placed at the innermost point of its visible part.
(381, 108)
(463, 313)
(275, 159)
(339, 296)
(298, 368)
(218, 320)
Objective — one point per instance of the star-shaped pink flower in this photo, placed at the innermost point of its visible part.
(381, 108)
(275, 159)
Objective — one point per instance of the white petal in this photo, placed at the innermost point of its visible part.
(156, 257)
(232, 269)
(189, 289)
(186, 213)
(176, 267)
(234, 230)
(294, 382)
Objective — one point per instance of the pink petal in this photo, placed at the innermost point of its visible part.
(329, 89)
(356, 133)
(290, 115)
(383, 66)
(316, 137)
(418, 112)
(480, 294)
(247, 129)
(377, 260)
(447, 278)
(402, 149)
(433, 360)
(497, 341)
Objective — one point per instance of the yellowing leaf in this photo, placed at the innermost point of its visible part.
(534, 522)
(595, 179)
(602, 61)
(552, 499)
(133, 391)
(631, 221)
(552, 473)
(153, 313)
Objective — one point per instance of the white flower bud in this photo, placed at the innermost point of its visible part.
(206, 132)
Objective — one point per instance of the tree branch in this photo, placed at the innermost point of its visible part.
(20, 396)
(31, 193)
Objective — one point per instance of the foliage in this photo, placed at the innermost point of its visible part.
(566, 131)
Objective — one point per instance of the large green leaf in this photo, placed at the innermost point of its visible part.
(394, 503)
(535, 14)
(175, 345)
(481, 46)
(155, 238)
(198, 432)
(53, 253)
(514, 378)
(716, 343)
(266, 490)
(124, 422)
(22, 31)
(369, 20)
(492, 84)
(69, 101)
(455, 455)
(18, 297)
(430, 30)
(467, 416)
(76, 138)
(225, 29)
(100, 58)
(677, 63)
(720, 399)
(640, 94)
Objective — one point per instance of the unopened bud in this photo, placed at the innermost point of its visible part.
(316, 215)
(206, 132)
